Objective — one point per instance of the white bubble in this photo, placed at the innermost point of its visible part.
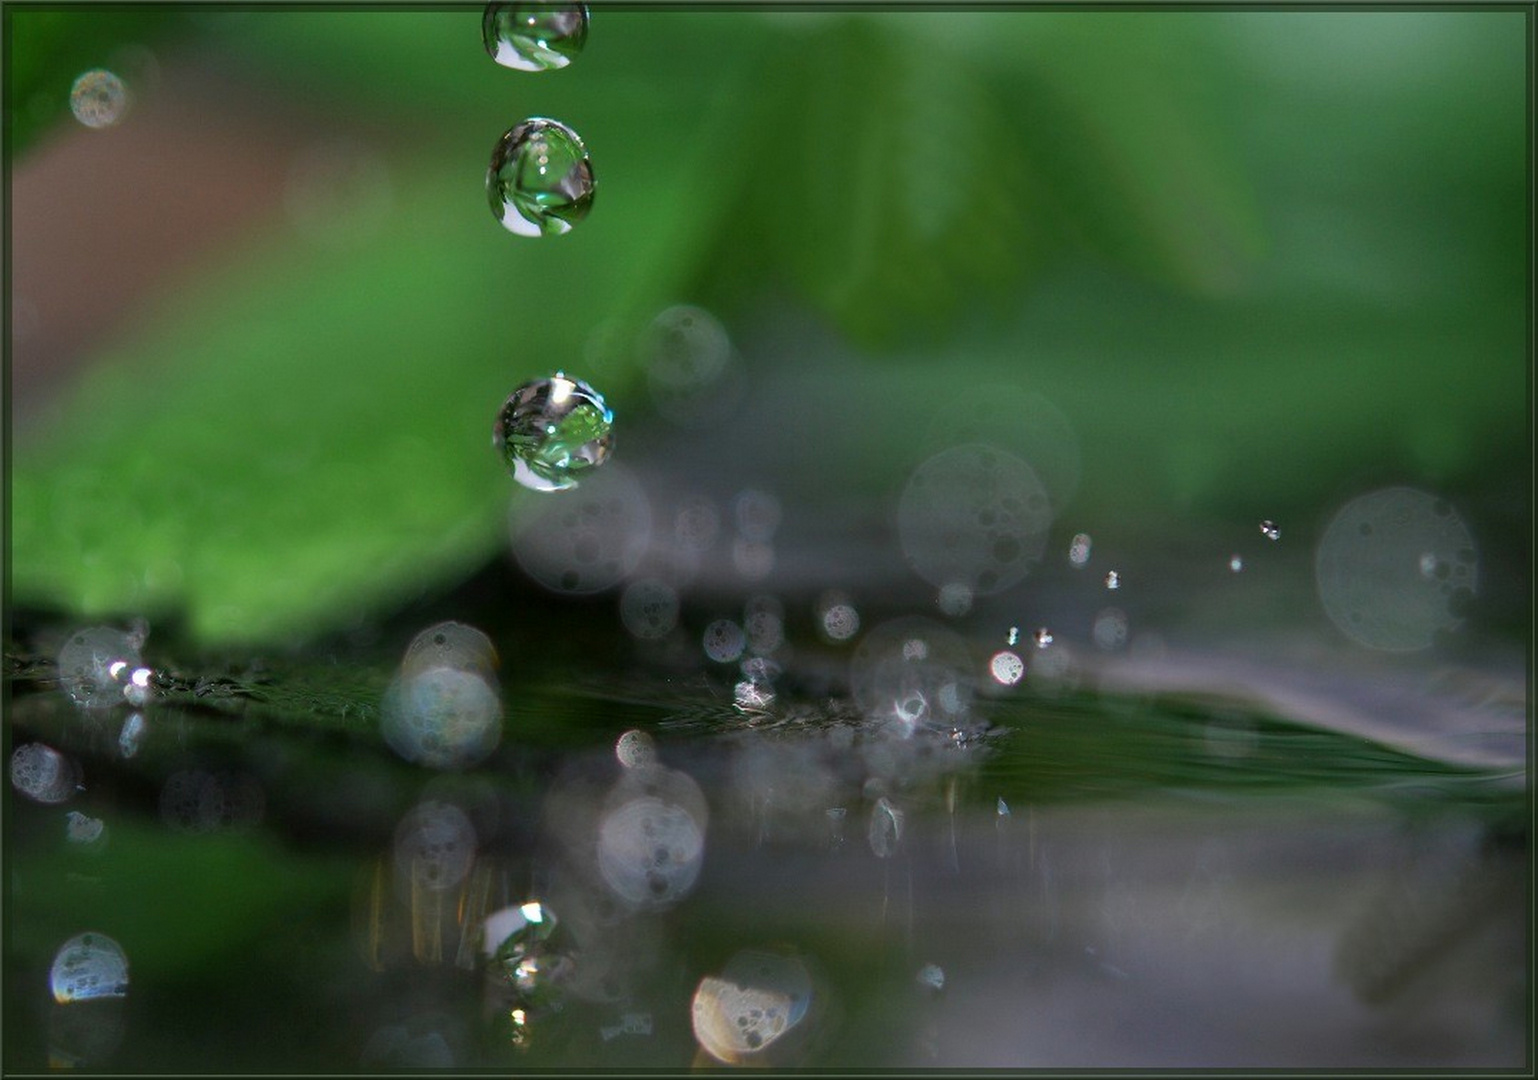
(650, 852)
(1078, 551)
(973, 515)
(753, 1007)
(1006, 668)
(915, 671)
(43, 774)
(1110, 629)
(89, 967)
(585, 539)
(435, 844)
(724, 641)
(451, 645)
(648, 607)
(442, 717)
(96, 666)
(1372, 565)
(98, 98)
(837, 618)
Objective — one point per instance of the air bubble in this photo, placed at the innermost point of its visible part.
(540, 182)
(534, 37)
(551, 431)
(98, 98)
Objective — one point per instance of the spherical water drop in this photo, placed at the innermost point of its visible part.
(1372, 567)
(514, 932)
(89, 967)
(551, 431)
(1235, 563)
(691, 367)
(635, 749)
(540, 181)
(98, 99)
(1006, 668)
(442, 717)
(534, 37)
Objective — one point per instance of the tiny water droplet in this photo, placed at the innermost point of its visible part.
(1112, 580)
(1043, 638)
(1236, 564)
(98, 98)
(534, 37)
(540, 182)
(1014, 635)
(1269, 530)
(551, 431)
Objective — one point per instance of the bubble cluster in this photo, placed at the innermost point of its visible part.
(98, 98)
(534, 37)
(89, 967)
(43, 774)
(758, 1005)
(540, 181)
(975, 516)
(691, 367)
(914, 673)
(100, 667)
(590, 539)
(443, 709)
(551, 431)
(648, 608)
(1395, 567)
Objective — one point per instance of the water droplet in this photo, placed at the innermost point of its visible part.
(1269, 530)
(650, 851)
(451, 645)
(912, 670)
(724, 641)
(1013, 636)
(1043, 638)
(635, 749)
(931, 977)
(435, 844)
(1078, 551)
(540, 182)
(837, 618)
(98, 98)
(1235, 563)
(534, 37)
(551, 431)
(1112, 580)
(691, 367)
(89, 967)
(513, 933)
(1006, 668)
(1002, 809)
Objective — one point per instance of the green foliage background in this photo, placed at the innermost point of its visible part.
(1256, 257)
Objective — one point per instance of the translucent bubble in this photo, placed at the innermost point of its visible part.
(1269, 530)
(914, 671)
(43, 774)
(650, 852)
(589, 539)
(886, 828)
(1110, 629)
(515, 932)
(1371, 566)
(724, 641)
(1112, 580)
(763, 620)
(534, 37)
(540, 182)
(955, 599)
(84, 829)
(89, 967)
(931, 977)
(442, 717)
(434, 846)
(649, 608)
(1078, 551)
(451, 645)
(691, 367)
(96, 665)
(552, 431)
(973, 515)
(697, 524)
(837, 618)
(98, 98)
(753, 1007)
(1006, 668)
(635, 750)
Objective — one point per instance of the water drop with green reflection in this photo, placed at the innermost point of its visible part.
(550, 431)
(540, 182)
(534, 37)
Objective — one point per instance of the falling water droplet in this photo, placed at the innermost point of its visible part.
(98, 98)
(540, 182)
(1269, 530)
(1112, 580)
(550, 431)
(534, 37)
